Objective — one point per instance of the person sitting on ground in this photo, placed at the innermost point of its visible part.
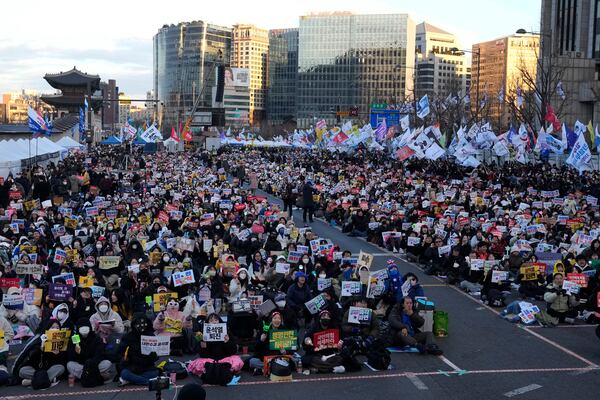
(325, 359)
(135, 367)
(406, 324)
(88, 353)
(561, 304)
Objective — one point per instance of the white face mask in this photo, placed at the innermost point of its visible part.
(305, 260)
(103, 308)
(99, 246)
(62, 315)
(280, 304)
(84, 331)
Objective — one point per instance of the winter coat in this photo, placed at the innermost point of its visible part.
(297, 296)
(399, 320)
(557, 300)
(104, 330)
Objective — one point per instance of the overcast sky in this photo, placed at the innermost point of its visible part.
(114, 38)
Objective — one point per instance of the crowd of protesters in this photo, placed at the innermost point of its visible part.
(98, 260)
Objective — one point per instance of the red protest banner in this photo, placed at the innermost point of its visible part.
(580, 279)
(10, 282)
(326, 339)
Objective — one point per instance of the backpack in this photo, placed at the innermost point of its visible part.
(176, 367)
(280, 366)
(40, 380)
(90, 376)
(217, 374)
(378, 356)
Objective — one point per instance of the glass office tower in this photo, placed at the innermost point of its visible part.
(348, 61)
(283, 75)
(184, 60)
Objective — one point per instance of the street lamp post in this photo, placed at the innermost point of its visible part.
(455, 50)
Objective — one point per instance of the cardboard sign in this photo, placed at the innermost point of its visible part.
(316, 304)
(359, 315)
(108, 262)
(173, 325)
(499, 276)
(214, 332)
(28, 269)
(183, 278)
(351, 288)
(58, 339)
(283, 339)
(365, 259)
(160, 300)
(327, 339)
(161, 345)
(32, 296)
(60, 292)
(580, 279)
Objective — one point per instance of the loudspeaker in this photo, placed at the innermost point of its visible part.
(220, 83)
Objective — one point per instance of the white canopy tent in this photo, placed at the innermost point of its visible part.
(69, 143)
(16, 154)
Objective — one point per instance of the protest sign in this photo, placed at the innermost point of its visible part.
(60, 292)
(412, 241)
(570, 287)
(28, 269)
(351, 288)
(207, 245)
(183, 278)
(161, 345)
(13, 301)
(283, 339)
(2, 342)
(359, 315)
(365, 259)
(160, 300)
(32, 296)
(185, 244)
(86, 281)
(60, 256)
(214, 332)
(255, 301)
(71, 223)
(282, 268)
(499, 276)
(68, 277)
(529, 273)
(173, 325)
(327, 339)
(294, 256)
(314, 305)
(323, 283)
(580, 279)
(108, 262)
(58, 340)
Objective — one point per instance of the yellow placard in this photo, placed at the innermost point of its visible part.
(70, 223)
(529, 272)
(120, 222)
(173, 325)
(160, 300)
(86, 281)
(144, 219)
(27, 248)
(72, 255)
(155, 257)
(108, 262)
(58, 339)
(2, 343)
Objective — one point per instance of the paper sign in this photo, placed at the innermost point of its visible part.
(282, 268)
(580, 279)
(60, 292)
(108, 262)
(255, 301)
(97, 292)
(499, 276)
(13, 301)
(365, 259)
(10, 282)
(283, 339)
(160, 300)
(412, 241)
(314, 305)
(207, 245)
(60, 256)
(444, 250)
(529, 273)
(32, 296)
(327, 339)
(357, 315)
(2, 342)
(185, 244)
(28, 269)
(351, 288)
(323, 283)
(183, 278)
(161, 345)
(214, 332)
(570, 287)
(58, 339)
(294, 256)
(68, 277)
(86, 281)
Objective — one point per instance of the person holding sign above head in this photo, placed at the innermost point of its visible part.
(173, 323)
(561, 303)
(216, 347)
(86, 355)
(135, 367)
(45, 362)
(405, 323)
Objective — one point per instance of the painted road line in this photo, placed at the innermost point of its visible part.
(450, 364)
(419, 384)
(522, 390)
(560, 326)
(308, 380)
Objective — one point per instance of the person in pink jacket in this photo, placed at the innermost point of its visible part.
(173, 323)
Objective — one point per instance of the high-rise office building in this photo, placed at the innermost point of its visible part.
(570, 41)
(441, 68)
(110, 107)
(185, 59)
(283, 74)
(249, 50)
(348, 61)
(498, 70)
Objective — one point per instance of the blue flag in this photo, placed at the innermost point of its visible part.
(81, 120)
(423, 107)
(571, 138)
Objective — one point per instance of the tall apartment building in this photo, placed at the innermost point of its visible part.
(348, 61)
(110, 107)
(124, 109)
(184, 64)
(283, 74)
(249, 49)
(497, 71)
(16, 104)
(441, 69)
(570, 41)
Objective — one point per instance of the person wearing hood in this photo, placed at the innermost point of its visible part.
(135, 367)
(61, 314)
(84, 305)
(216, 352)
(325, 359)
(53, 362)
(88, 353)
(6, 327)
(29, 315)
(105, 321)
(238, 285)
(298, 294)
(394, 281)
(173, 323)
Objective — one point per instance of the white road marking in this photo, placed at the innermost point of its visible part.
(419, 384)
(522, 390)
(449, 363)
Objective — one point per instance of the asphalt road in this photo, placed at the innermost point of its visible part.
(484, 357)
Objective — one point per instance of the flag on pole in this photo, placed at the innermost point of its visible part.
(580, 154)
(174, 135)
(560, 91)
(519, 97)
(81, 120)
(85, 104)
(381, 131)
(187, 136)
(597, 137)
(423, 107)
(37, 124)
(590, 129)
(552, 118)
